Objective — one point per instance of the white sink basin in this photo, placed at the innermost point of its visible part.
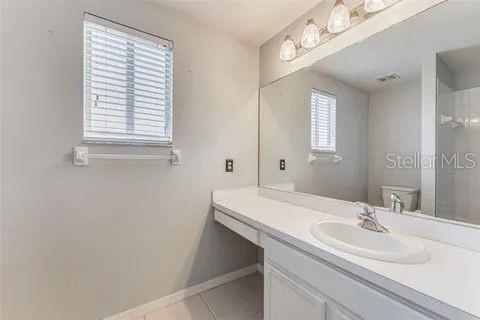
(349, 237)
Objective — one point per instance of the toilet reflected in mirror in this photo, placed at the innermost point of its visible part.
(407, 195)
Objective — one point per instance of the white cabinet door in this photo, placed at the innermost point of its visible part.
(338, 315)
(286, 299)
(352, 298)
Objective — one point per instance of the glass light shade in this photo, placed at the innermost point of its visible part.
(339, 20)
(288, 50)
(311, 35)
(374, 5)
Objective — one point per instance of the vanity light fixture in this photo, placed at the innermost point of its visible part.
(374, 5)
(341, 18)
(311, 35)
(288, 50)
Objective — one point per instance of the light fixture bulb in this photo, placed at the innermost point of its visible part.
(287, 50)
(339, 20)
(374, 5)
(311, 35)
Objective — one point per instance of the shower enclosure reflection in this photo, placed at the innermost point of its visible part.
(458, 133)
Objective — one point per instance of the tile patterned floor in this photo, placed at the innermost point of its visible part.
(241, 299)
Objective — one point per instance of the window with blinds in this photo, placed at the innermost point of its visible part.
(323, 121)
(128, 80)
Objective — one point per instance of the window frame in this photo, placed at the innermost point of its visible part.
(317, 150)
(88, 17)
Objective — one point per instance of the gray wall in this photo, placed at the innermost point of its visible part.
(394, 127)
(467, 79)
(88, 242)
(285, 133)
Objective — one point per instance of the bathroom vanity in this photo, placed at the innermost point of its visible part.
(307, 279)
(393, 122)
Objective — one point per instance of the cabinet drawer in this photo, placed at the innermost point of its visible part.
(355, 296)
(241, 228)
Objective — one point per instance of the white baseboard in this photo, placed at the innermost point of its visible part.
(140, 311)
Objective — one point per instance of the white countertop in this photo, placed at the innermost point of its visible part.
(448, 283)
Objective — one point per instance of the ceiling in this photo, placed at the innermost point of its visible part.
(401, 48)
(252, 21)
(461, 60)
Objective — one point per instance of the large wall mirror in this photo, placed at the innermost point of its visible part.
(398, 113)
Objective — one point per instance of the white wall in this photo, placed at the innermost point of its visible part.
(87, 242)
(429, 131)
(394, 127)
(285, 133)
(445, 142)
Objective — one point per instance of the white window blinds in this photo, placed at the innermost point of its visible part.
(323, 121)
(128, 80)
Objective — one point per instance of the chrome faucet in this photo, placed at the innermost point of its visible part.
(369, 219)
(397, 204)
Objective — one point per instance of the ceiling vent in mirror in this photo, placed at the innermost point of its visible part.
(389, 77)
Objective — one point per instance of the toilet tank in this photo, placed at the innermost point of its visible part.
(408, 195)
